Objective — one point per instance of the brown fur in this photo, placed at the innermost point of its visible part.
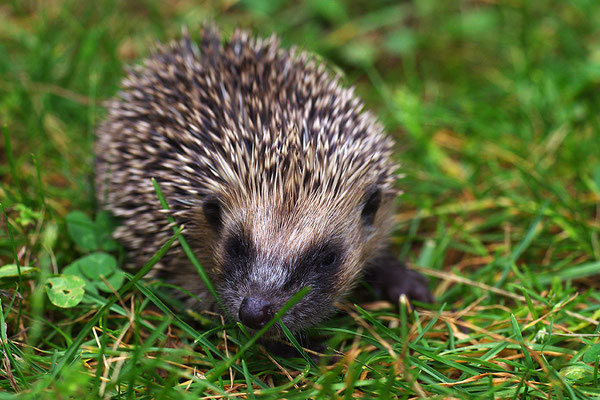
(285, 148)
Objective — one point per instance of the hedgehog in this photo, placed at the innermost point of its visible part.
(279, 176)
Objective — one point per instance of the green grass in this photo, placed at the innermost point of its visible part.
(494, 106)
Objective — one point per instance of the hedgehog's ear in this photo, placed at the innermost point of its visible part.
(212, 212)
(370, 207)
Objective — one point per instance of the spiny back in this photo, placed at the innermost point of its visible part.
(244, 119)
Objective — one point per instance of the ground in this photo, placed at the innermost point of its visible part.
(494, 106)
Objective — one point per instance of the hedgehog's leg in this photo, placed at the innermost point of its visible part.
(391, 278)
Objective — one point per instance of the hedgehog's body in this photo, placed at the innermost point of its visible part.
(279, 178)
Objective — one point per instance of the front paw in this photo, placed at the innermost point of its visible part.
(409, 283)
(390, 278)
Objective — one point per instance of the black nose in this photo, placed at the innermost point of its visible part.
(255, 312)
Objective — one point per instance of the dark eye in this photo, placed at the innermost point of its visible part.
(370, 208)
(237, 248)
(212, 212)
(328, 259)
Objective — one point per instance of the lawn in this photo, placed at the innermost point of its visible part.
(495, 109)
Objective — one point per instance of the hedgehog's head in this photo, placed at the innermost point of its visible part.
(276, 234)
(280, 178)
(267, 251)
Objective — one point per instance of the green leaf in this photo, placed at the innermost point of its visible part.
(26, 215)
(10, 271)
(115, 280)
(82, 230)
(90, 287)
(577, 372)
(296, 344)
(79, 339)
(519, 336)
(592, 354)
(73, 269)
(427, 253)
(95, 265)
(105, 225)
(65, 290)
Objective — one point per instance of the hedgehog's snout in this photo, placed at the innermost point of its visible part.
(255, 312)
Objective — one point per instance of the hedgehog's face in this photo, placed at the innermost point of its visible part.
(266, 252)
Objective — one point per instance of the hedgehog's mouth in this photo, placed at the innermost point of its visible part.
(255, 304)
(255, 312)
